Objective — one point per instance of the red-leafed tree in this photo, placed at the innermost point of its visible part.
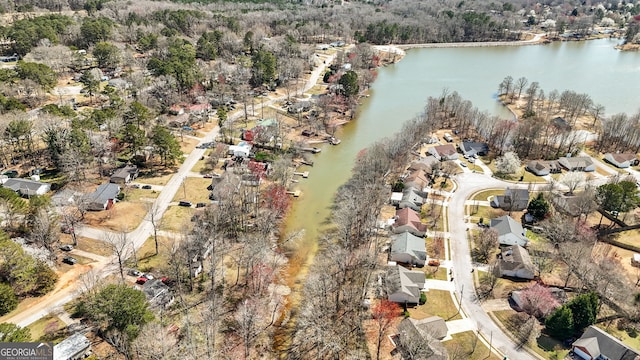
(277, 199)
(384, 312)
(257, 168)
(538, 301)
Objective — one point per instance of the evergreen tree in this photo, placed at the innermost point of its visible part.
(560, 324)
(584, 310)
(349, 82)
(166, 145)
(538, 207)
(8, 299)
(13, 333)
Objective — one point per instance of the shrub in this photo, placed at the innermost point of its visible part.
(406, 314)
(8, 300)
(423, 298)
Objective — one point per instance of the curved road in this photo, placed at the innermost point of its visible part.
(68, 288)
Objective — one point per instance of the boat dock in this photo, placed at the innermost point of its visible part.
(303, 174)
(294, 193)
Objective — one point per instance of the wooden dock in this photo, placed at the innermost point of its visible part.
(294, 193)
(303, 174)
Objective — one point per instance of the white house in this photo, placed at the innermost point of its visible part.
(76, 346)
(578, 163)
(243, 149)
(27, 187)
(510, 232)
(621, 161)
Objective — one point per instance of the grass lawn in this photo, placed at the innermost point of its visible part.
(462, 343)
(435, 273)
(435, 249)
(485, 212)
(155, 178)
(176, 218)
(187, 144)
(543, 346)
(139, 195)
(148, 261)
(93, 246)
(47, 329)
(123, 216)
(484, 195)
(193, 189)
(439, 303)
(535, 238)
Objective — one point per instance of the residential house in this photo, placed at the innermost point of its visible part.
(515, 262)
(124, 175)
(26, 187)
(569, 205)
(180, 121)
(299, 107)
(103, 198)
(444, 152)
(404, 286)
(411, 198)
(510, 232)
(158, 293)
(597, 344)
(512, 200)
(560, 123)
(416, 179)
(543, 168)
(578, 163)
(199, 109)
(471, 148)
(425, 163)
(119, 84)
(408, 249)
(417, 339)
(621, 161)
(176, 109)
(408, 220)
(243, 149)
(75, 347)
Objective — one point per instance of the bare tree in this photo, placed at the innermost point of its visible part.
(153, 214)
(521, 83)
(485, 244)
(572, 180)
(120, 246)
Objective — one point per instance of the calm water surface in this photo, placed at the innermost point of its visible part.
(610, 77)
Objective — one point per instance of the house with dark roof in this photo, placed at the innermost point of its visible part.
(621, 161)
(404, 286)
(560, 123)
(408, 220)
(76, 346)
(103, 198)
(471, 148)
(26, 187)
(510, 232)
(512, 200)
(124, 175)
(408, 249)
(515, 262)
(158, 293)
(410, 197)
(416, 339)
(578, 163)
(595, 344)
(543, 168)
(444, 152)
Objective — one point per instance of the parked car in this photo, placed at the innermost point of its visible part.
(141, 280)
(207, 176)
(185, 203)
(67, 247)
(146, 187)
(135, 186)
(147, 276)
(167, 281)
(463, 164)
(201, 205)
(69, 260)
(11, 173)
(134, 272)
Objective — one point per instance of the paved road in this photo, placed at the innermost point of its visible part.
(69, 286)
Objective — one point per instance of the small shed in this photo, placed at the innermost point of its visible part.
(76, 346)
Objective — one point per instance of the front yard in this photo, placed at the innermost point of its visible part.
(439, 303)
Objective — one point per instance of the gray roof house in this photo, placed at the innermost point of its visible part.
(470, 148)
(26, 187)
(510, 232)
(103, 198)
(408, 249)
(76, 346)
(597, 344)
(404, 286)
(621, 161)
(543, 168)
(512, 200)
(157, 293)
(412, 198)
(444, 152)
(578, 163)
(124, 175)
(515, 262)
(429, 330)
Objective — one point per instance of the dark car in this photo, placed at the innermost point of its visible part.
(69, 260)
(11, 173)
(146, 187)
(185, 203)
(67, 247)
(201, 205)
